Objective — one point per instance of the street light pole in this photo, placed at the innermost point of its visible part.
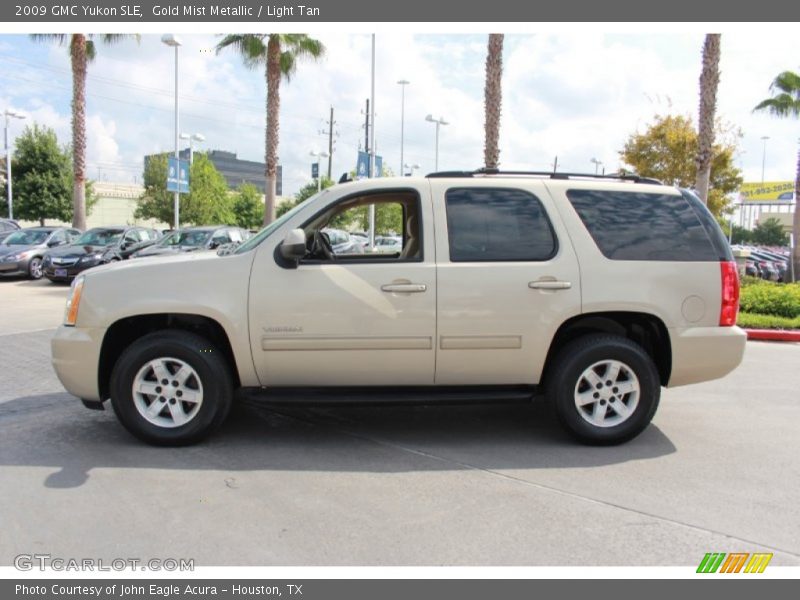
(597, 163)
(764, 139)
(439, 122)
(171, 40)
(403, 83)
(13, 115)
(198, 137)
(412, 167)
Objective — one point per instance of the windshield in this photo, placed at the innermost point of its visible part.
(190, 239)
(26, 238)
(264, 233)
(99, 237)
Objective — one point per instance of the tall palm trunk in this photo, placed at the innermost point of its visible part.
(493, 96)
(78, 57)
(796, 222)
(273, 111)
(709, 80)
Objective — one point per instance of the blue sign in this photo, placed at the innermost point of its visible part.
(362, 167)
(314, 170)
(177, 175)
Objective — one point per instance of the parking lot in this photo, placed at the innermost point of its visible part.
(488, 485)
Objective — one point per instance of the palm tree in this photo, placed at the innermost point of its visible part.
(82, 51)
(493, 96)
(277, 53)
(709, 81)
(785, 102)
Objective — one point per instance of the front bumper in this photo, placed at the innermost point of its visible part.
(65, 273)
(76, 358)
(705, 353)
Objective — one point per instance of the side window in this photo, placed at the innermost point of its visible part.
(396, 218)
(132, 237)
(222, 237)
(497, 224)
(73, 235)
(639, 226)
(236, 235)
(59, 237)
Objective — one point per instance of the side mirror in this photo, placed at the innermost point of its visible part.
(213, 245)
(53, 243)
(293, 246)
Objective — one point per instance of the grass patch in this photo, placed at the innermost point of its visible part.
(758, 321)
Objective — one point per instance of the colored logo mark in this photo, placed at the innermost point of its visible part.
(735, 562)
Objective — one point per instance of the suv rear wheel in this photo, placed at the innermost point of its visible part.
(604, 388)
(171, 388)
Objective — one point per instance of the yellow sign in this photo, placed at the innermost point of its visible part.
(769, 191)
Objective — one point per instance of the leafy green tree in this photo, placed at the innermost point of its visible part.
(42, 176)
(207, 203)
(248, 206)
(769, 232)
(785, 103)
(303, 194)
(82, 51)
(277, 54)
(666, 150)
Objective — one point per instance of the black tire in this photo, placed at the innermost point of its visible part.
(566, 377)
(35, 268)
(211, 370)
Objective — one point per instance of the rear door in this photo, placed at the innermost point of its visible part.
(507, 278)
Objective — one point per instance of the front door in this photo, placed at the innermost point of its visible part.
(357, 319)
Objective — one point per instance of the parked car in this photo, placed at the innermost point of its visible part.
(191, 239)
(343, 243)
(506, 288)
(97, 246)
(388, 244)
(7, 226)
(21, 252)
(769, 267)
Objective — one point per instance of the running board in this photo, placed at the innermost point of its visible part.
(348, 396)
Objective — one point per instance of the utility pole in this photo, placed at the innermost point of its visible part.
(366, 138)
(330, 132)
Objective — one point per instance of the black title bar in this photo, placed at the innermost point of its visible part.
(443, 11)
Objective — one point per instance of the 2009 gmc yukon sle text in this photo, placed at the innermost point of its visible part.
(594, 290)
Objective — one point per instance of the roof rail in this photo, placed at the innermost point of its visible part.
(552, 175)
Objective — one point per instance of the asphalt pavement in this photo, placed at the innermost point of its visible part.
(717, 471)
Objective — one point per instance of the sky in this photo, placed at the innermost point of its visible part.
(576, 95)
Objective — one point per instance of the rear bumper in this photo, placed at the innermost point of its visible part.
(76, 357)
(705, 353)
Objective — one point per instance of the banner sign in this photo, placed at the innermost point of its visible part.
(177, 175)
(768, 191)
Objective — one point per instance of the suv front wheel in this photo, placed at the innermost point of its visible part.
(604, 388)
(171, 388)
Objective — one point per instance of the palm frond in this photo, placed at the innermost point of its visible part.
(61, 38)
(787, 82)
(91, 50)
(250, 46)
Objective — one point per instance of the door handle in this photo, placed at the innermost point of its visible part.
(404, 288)
(549, 284)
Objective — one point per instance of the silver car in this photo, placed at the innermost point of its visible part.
(21, 252)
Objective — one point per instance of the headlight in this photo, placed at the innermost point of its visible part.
(92, 258)
(73, 302)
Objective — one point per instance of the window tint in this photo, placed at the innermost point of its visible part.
(637, 226)
(486, 224)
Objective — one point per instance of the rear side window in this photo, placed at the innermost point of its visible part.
(638, 226)
(489, 224)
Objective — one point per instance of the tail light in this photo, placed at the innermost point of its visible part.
(729, 307)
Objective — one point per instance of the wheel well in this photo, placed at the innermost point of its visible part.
(646, 330)
(126, 331)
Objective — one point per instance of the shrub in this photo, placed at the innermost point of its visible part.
(767, 298)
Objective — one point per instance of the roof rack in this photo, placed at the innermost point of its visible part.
(552, 175)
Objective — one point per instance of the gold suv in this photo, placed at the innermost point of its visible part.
(591, 291)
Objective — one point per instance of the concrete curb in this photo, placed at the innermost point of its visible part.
(774, 335)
